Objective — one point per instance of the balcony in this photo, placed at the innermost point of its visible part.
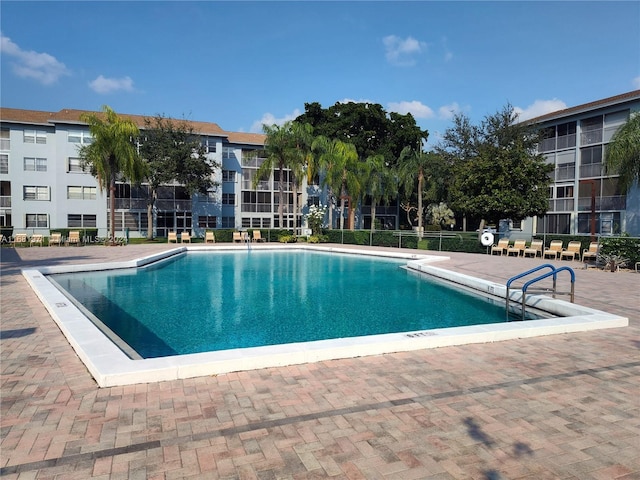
(561, 205)
(616, 202)
(591, 170)
(591, 136)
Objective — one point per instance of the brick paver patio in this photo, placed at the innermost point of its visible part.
(555, 407)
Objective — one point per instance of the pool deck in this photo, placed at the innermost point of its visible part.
(553, 407)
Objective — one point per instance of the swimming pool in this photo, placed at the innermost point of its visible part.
(110, 366)
(209, 301)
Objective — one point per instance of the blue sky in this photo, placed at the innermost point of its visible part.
(241, 64)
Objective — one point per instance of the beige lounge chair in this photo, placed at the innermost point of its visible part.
(590, 253)
(554, 250)
(20, 238)
(209, 237)
(237, 237)
(501, 246)
(257, 236)
(535, 249)
(517, 247)
(572, 251)
(36, 239)
(74, 238)
(55, 239)
(172, 237)
(185, 237)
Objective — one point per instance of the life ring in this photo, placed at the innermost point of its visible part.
(486, 239)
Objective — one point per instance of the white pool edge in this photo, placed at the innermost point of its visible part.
(111, 367)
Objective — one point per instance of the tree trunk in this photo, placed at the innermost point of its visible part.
(352, 215)
(330, 207)
(420, 180)
(150, 204)
(281, 199)
(112, 203)
(373, 216)
(295, 207)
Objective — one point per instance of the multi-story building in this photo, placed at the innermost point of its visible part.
(43, 185)
(575, 141)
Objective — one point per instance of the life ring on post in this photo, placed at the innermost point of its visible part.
(486, 239)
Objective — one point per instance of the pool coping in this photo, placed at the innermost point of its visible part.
(111, 367)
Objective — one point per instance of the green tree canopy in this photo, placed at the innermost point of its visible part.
(622, 154)
(112, 155)
(497, 172)
(172, 151)
(367, 126)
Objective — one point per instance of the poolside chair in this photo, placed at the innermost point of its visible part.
(185, 237)
(572, 251)
(172, 237)
(257, 236)
(237, 237)
(517, 247)
(554, 250)
(501, 246)
(20, 238)
(535, 249)
(74, 238)
(36, 239)
(209, 237)
(55, 239)
(591, 253)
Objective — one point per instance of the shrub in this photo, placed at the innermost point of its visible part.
(623, 247)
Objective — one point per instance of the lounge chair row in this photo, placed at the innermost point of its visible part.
(239, 237)
(209, 237)
(23, 239)
(555, 249)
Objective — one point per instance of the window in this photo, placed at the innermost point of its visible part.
(564, 192)
(228, 222)
(36, 193)
(35, 136)
(566, 135)
(37, 220)
(207, 221)
(209, 144)
(74, 165)
(591, 161)
(81, 193)
(5, 141)
(228, 198)
(256, 202)
(228, 176)
(81, 221)
(228, 153)
(32, 164)
(4, 163)
(78, 136)
(591, 130)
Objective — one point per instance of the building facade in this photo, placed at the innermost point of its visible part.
(43, 186)
(583, 195)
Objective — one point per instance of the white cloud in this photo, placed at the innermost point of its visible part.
(417, 109)
(350, 100)
(401, 52)
(270, 119)
(636, 82)
(42, 67)
(104, 85)
(447, 112)
(538, 108)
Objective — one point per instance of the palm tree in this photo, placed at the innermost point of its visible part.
(338, 163)
(415, 166)
(300, 160)
(622, 154)
(112, 155)
(380, 184)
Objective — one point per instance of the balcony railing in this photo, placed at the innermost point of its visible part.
(591, 136)
(131, 204)
(616, 202)
(561, 205)
(592, 170)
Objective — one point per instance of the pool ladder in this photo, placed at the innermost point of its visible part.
(554, 272)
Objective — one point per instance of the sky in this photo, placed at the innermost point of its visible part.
(244, 63)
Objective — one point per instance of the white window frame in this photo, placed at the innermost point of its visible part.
(81, 193)
(4, 163)
(35, 164)
(34, 136)
(81, 220)
(36, 193)
(83, 138)
(74, 165)
(36, 220)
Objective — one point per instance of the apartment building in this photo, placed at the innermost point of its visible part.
(575, 140)
(43, 185)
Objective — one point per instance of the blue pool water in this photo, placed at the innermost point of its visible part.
(202, 302)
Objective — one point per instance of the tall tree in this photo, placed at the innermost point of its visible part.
(622, 154)
(338, 163)
(497, 172)
(112, 155)
(414, 168)
(172, 151)
(380, 184)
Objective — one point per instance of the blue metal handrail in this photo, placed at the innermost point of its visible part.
(554, 271)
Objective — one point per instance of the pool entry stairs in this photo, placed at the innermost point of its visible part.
(553, 290)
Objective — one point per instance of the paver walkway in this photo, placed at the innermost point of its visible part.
(555, 407)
